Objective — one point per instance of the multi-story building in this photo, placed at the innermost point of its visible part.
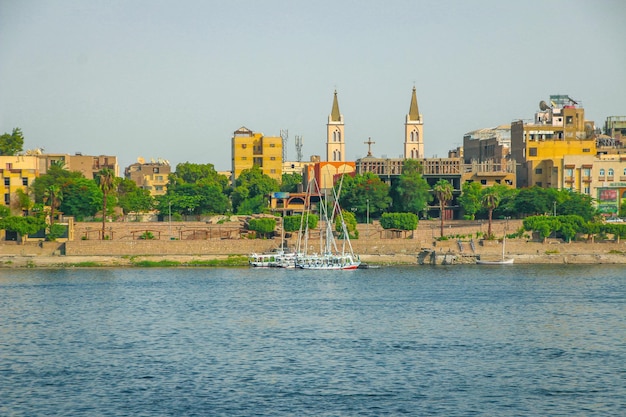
(489, 144)
(151, 176)
(86, 164)
(250, 148)
(16, 173)
(615, 127)
(559, 129)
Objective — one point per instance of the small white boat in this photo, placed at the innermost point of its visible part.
(502, 261)
(277, 259)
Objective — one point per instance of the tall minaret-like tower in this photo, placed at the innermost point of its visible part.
(414, 131)
(335, 145)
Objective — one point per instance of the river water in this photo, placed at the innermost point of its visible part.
(439, 341)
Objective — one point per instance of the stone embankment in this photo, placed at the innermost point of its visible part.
(200, 241)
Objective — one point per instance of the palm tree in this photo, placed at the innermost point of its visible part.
(443, 191)
(53, 196)
(490, 201)
(106, 181)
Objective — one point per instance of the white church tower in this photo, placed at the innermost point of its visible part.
(335, 141)
(414, 131)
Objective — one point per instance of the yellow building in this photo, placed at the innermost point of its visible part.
(16, 173)
(250, 148)
(559, 129)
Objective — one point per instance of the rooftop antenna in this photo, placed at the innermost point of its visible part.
(299, 143)
(284, 134)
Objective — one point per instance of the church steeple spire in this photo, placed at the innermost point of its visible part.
(414, 113)
(335, 142)
(414, 131)
(335, 116)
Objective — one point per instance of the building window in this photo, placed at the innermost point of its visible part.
(587, 189)
(538, 171)
(532, 152)
(155, 170)
(586, 150)
(25, 182)
(244, 146)
(272, 158)
(7, 199)
(272, 171)
(272, 145)
(611, 172)
(602, 172)
(587, 172)
(158, 188)
(7, 182)
(569, 120)
(539, 184)
(483, 182)
(244, 158)
(569, 172)
(159, 178)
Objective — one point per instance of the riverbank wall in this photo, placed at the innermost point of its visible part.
(374, 245)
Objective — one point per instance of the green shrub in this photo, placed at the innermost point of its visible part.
(402, 221)
(292, 223)
(263, 227)
(146, 235)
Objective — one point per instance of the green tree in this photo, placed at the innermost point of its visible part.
(536, 200)
(23, 226)
(11, 144)
(571, 202)
(4, 211)
(255, 185)
(293, 223)
(202, 174)
(81, 198)
(290, 182)
(470, 198)
(23, 200)
(363, 192)
(195, 189)
(443, 191)
(490, 200)
(106, 182)
(507, 201)
(411, 193)
(131, 198)
(348, 220)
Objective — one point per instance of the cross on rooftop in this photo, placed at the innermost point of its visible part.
(369, 144)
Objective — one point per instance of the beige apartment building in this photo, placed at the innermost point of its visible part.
(86, 164)
(152, 176)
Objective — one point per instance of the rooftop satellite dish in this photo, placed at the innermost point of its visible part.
(543, 105)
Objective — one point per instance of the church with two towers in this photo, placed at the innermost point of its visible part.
(413, 133)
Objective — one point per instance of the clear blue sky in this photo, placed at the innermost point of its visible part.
(175, 79)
